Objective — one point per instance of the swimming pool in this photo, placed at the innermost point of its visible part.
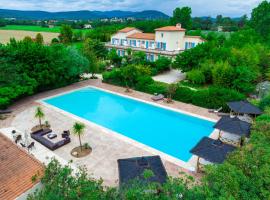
(170, 132)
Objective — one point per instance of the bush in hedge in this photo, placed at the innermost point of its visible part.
(157, 87)
(142, 82)
(114, 77)
(196, 76)
(215, 97)
(183, 94)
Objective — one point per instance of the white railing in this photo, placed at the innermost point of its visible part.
(143, 48)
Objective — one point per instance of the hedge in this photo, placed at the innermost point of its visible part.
(212, 97)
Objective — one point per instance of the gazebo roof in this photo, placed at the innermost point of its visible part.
(212, 150)
(244, 107)
(233, 125)
(132, 168)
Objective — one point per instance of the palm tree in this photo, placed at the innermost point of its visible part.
(39, 114)
(78, 129)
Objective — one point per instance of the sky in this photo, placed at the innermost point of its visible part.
(232, 8)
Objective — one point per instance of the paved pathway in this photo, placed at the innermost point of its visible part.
(172, 76)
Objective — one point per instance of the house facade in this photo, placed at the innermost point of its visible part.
(167, 41)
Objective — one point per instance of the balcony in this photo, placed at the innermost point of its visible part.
(142, 47)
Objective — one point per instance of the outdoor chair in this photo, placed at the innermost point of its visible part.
(157, 97)
(18, 138)
(23, 145)
(66, 134)
(215, 110)
(30, 146)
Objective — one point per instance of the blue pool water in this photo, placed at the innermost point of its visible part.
(170, 132)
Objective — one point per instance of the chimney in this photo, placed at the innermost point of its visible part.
(178, 25)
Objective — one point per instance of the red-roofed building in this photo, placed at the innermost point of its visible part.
(17, 168)
(166, 41)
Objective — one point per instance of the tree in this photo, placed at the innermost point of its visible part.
(66, 34)
(260, 19)
(162, 64)
(244, 79)
(243, 21)
(78, 130)
(91, 57)
(27, 67)
(129, 73)
(96, 47)
(219, 20)
(39, 39)
(223, 74)
(114, 58)
(170, 92)
(39, 114)
(182, 16)
(78, 35)
(196, 76)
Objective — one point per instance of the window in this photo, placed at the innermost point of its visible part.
(152, 57)
(133, 43)
(162, 34)
(189, 45)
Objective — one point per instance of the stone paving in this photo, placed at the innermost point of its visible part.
(102, 162)
(172, 76)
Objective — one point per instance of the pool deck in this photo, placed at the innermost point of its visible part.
(102, 162)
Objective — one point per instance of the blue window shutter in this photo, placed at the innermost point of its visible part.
(186, 45)
(193, 44)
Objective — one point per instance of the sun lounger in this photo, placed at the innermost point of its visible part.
(158, 97)
(5, 111)
(215, 110)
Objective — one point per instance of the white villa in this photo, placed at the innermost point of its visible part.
(166, 41)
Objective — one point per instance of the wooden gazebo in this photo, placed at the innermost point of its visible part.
(233, 126)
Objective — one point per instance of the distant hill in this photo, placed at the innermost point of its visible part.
(83, 14)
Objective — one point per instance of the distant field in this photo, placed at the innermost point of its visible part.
(5, 35)
(31, 28)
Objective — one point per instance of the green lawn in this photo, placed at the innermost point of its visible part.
(31, 28)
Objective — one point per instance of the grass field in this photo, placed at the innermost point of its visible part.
(5, 35)
(31, 28)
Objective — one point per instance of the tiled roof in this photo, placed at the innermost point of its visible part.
(194, 36)
(170, 28)
(16, 170)
(146, 36)
(127, 29)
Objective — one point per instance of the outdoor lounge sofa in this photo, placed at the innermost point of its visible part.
(39, 137)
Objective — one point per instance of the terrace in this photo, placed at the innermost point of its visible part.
(102, 162)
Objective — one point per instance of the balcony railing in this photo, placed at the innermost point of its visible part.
(143, 48)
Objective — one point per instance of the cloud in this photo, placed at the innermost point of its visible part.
(199, 7)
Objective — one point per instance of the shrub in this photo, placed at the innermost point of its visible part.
(265, 102)
(4, 102)
(223, 74)
(206, 68)
(215, 97)
(196, 76)
(162, 64)
(157, 87)
(114, 77)
(183, 94)
(143, 81)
